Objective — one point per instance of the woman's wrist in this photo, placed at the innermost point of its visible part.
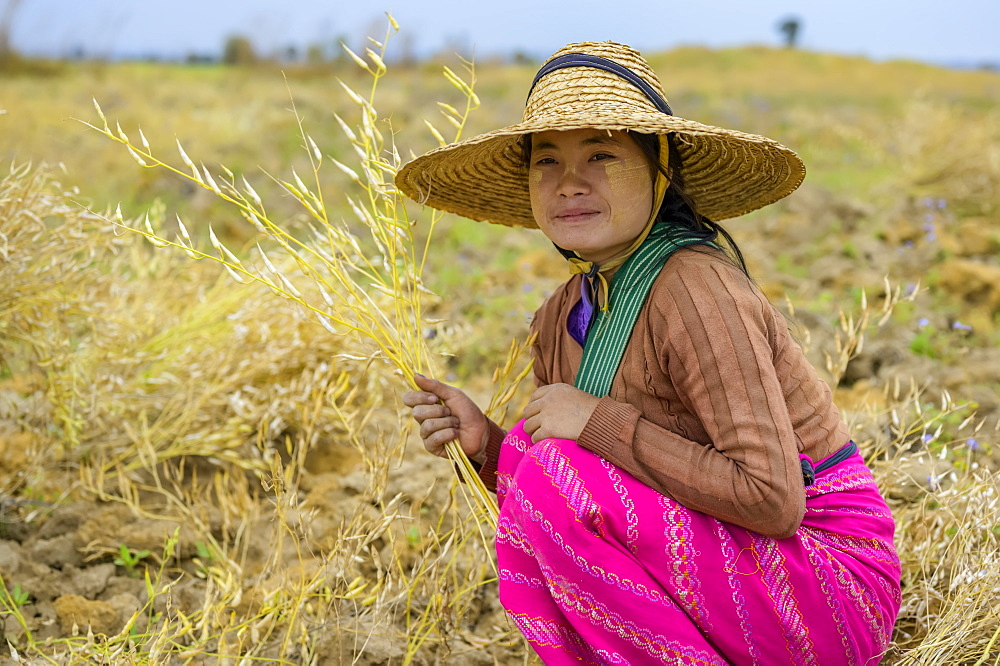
(480, 455)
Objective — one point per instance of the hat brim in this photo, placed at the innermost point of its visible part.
(726, 173)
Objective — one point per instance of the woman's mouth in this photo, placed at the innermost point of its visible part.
(577, 215)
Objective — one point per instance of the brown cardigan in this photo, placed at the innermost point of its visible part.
(713, 401)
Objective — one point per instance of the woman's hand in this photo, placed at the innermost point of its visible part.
(558, 410)
(445, 414)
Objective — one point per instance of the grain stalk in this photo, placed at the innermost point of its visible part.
(380, 296)
(849, 340)
(947, 534)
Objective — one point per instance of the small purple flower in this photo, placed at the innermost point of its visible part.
(928, 217)
(942, 204)
(928, 438)
(910, 288)
(528, 288)
(908, 243)
(972, 443)
(923, 321)
(932, 482)
(928, 202)
(959, 326)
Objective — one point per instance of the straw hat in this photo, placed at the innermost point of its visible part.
(726, 173)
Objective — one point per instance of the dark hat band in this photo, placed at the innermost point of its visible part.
(597, 62)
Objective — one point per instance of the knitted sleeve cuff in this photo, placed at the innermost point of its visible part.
(488, 470)
(611, 426)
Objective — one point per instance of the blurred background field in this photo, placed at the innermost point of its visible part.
(199, 473)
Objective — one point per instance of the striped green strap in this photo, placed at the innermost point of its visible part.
(612, 328)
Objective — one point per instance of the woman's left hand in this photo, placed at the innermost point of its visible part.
(558, 410)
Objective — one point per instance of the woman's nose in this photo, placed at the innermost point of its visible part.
(572, 183)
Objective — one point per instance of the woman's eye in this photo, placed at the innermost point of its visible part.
(602, 156)
(545, 160)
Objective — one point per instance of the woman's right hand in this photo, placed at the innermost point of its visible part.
(445, 414)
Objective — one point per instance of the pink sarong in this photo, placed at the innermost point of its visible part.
(596, 567)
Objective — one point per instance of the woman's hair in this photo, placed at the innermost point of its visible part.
(676, 199)
(676, 194)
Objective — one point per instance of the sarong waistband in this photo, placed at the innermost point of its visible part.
(809, 472)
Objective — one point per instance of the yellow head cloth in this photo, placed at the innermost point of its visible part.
(580, 266)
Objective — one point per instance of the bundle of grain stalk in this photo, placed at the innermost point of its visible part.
(370, 288)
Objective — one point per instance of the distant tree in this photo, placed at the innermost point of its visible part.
(315, 54)
(194, 58)
(790, 28)
(6, 20)
(407, 48)
(238, 50)
(522, 57)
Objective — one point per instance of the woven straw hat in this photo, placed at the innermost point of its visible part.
(725, 172)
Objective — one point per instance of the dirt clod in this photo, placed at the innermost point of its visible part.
(72, 610)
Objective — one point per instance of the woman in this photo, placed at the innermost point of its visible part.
(681, 488)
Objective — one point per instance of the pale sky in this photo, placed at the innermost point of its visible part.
(948, 32)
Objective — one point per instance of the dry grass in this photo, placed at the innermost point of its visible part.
(210, 407)
(195, 419)
(376, 295)
(202, 408)
(260, 457)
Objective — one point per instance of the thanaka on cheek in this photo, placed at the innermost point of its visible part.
(534, 180)
(625, 177)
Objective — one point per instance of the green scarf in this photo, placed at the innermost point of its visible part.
(611, 329)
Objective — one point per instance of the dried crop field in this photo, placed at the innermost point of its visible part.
(206, 325)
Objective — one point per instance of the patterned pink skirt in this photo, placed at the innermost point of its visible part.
(598, 568)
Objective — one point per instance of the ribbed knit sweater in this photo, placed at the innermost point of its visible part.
(713, 401)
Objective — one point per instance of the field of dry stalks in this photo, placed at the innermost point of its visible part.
(206, 461)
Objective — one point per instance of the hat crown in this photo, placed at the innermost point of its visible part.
(588, 89)
(726, 173)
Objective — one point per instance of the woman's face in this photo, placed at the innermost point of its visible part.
(591, 190)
